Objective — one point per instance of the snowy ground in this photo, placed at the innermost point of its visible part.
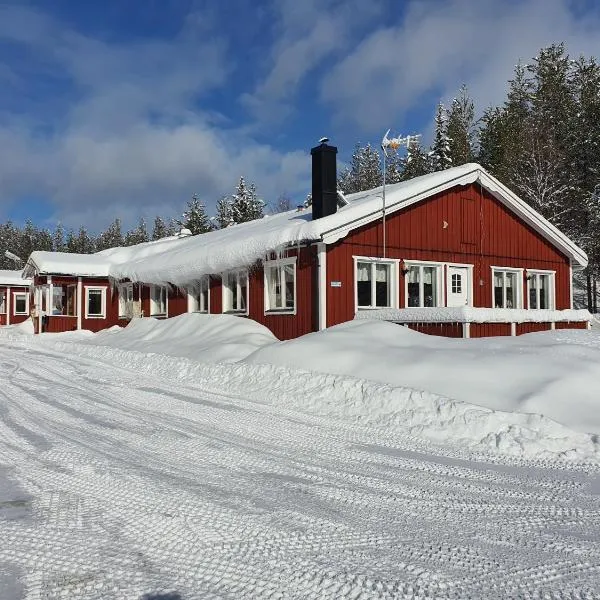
(135, 475)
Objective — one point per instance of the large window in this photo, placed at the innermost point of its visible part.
(541, 289)
(280, 285)
(20, 303)
(198, 296)
(375, 283)
(158, 300)
(95, 302)
(64, 299)
(423, 285)
(507, 287)
(235, 292)
(2, 302)
(125, 300)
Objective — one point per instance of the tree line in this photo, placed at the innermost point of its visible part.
(542, 141)
(243, 205)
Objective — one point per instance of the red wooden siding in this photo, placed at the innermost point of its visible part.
(14, 319)
(453, 330)
(177, 303)
(532, 327)
(478, 330)
(571, 325)
(216, 298)
(434, 230)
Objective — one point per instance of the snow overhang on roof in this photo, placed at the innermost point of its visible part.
(13, 278)
(64, 263)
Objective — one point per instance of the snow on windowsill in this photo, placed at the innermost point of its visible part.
(464, 314)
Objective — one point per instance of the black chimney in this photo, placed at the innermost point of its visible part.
(324, 180)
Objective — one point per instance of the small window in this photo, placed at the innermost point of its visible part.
(456, 283)
(125, 300)
(20, 303)
(2, 302)
(280, 285)
(507, 288)
(422, 287)
(235, 292)
(158, 300)
(374, 283)
(64, 299)
(541, 290)
(199, 296)
(95, 302)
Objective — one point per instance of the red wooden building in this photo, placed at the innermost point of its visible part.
(458, 254)
(14, 298)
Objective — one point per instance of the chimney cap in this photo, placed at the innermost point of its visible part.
(323, 140)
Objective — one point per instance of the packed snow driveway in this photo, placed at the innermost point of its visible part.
(116, 483)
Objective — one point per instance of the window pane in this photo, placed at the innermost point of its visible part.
(533, 292)
(363, 284)
(243, 282)
(94, 302)
(429, 286)
(382, 285)
(289, 272)
(413, 277)
(274, 283)
(456, 283)
(20, 304)
(511, 290)
(57, 300)
(204, 296)
(544, 291)
(2, 302)
(71, 294)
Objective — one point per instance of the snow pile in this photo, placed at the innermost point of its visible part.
(355, 372)
(554, 373)
(205, 338)
(468, 314)
(17, 331)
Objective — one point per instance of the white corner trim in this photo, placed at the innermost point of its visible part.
(322, 284)
(93, 288)
(570, 284)
(79, 301)
(8, 305)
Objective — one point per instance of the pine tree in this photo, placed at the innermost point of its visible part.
(416, 162)
(440, 150)
(364, 172)
(283, 204)
(58, 239)
(138, 235)
(461, 129)
(195, 218)
(160, 229)
(223, 217)
(245, 204)
(112, 237)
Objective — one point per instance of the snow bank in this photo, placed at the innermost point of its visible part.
(468, 314)
(355, 374)
(17, 331)
(554, 373)
(205, 338)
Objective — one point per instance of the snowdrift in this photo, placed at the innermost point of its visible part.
(205, 338)
(370, 386)
(554, 373)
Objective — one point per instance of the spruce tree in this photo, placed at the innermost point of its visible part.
(58, 239)
(138, 235)
(416, 162)
(112, 237)
(223, 217)
(440, 149)
(159, 230)
(195, 218)
(364, 172)
(461, 129)
(245, 204)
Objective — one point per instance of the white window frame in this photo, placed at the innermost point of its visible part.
(95, 288)
(124, 290)
(440, 274)
(153, 303)
(394, 269)
(226, 295)
(504, 270)
(279, 264)
(469, 268)
(3, 308)
(14, 303)
(534, 273)
(203, 284)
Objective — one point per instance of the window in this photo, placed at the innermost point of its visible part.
(375, 283)
(2, 302)
(198, 296)
(95, 302)
(507, 288)
(158, 300)
(280, 285)
(64, 299)
(21, 302)
(541, 289)
(456, 283)
(235, 292)
(125, 300)
(422, 285)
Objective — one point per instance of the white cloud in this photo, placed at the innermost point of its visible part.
(440, 45)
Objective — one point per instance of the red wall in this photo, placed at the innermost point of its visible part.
(478, 330)
(479, 231)
(14, 319)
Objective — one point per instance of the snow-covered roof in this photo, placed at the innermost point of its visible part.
(13, 278)
(94, 265)
(247, 243)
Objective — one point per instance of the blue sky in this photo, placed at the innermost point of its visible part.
(126, 109)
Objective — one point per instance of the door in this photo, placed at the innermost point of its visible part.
(458, 286)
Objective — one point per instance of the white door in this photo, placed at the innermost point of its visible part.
(458, 286)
